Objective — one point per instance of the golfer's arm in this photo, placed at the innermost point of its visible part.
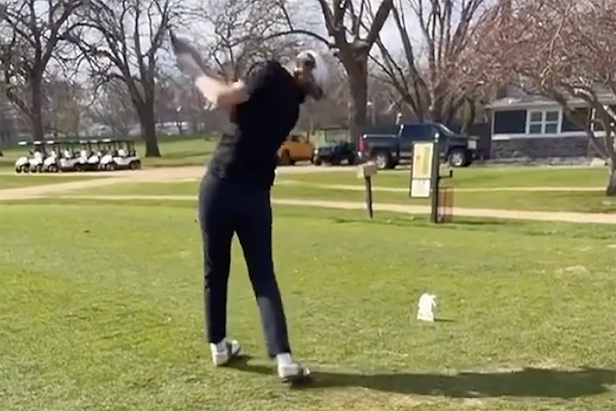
(221, 93)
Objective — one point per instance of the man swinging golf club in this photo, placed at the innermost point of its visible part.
(234, 195)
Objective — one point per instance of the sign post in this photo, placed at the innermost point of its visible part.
(366, 172)
(425, 174)
(421, 170)
(435, 180)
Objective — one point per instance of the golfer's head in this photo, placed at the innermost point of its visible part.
(311, 73)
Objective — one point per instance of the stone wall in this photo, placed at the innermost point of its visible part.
(535, 148)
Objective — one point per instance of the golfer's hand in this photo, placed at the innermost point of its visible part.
(238, 86)
(222, 94)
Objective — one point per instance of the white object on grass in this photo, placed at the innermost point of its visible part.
(427, 303)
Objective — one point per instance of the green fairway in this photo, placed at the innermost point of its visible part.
(105, 312)
(594, 202)
(580, 201)
(474, 177)
(180, 152)
(24, 180)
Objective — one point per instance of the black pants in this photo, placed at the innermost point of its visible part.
(226, 208)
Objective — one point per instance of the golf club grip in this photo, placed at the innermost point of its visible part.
(183, 48)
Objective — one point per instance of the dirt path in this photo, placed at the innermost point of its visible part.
(22, 193)
(191, 173)
(568, 217)
(170, 174)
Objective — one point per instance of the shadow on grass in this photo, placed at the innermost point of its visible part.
(528, 382)
(175, 155)
(423, 221)
(468, 222)
(444, 320)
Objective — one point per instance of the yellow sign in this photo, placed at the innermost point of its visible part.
(422, 169)
(422, 160)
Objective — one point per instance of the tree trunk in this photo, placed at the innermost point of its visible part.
(469, 116)
(357, 70)
(148, 131)
(36, 115)
(610, 191)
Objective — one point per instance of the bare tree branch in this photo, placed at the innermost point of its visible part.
(352, 30)
(562, 50)
(27, 51)
(122, 40)
(437, 90)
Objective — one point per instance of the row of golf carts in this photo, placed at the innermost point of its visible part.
(78, 155)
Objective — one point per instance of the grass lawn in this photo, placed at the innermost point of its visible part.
(7, 160)
(475, 177)
(511, 200)
(106, 313)
(176, 151)
(24, 180)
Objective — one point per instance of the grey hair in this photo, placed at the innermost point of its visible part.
(321, 71)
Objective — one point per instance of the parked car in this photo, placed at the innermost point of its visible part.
(388, 150)
(296, 148)
(334, 153)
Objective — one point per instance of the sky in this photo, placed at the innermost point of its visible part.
(311, 18)
(200, 31)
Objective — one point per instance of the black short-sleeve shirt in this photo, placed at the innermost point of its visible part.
(247, 153)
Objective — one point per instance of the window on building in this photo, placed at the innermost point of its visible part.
(535, 122)
(543, 122)
(596, 124)
(510, 122)
(569, 125)
(552, 119)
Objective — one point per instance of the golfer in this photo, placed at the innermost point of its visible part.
(234, 195)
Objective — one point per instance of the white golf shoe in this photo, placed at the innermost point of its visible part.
(225, 351)
(291, 371)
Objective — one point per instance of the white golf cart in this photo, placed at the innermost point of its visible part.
(38, 158)
(22, 165)
(81, 157)
(95, 156)
(121, 155)
(68, 158)
(51, 161)
(89, 157)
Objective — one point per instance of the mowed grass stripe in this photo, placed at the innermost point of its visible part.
(26, 180)
(576, 201)
(107, 312)
(476, 177)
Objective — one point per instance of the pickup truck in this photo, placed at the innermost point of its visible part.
(388, 150)
(334, 153)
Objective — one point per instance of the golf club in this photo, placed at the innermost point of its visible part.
(188, 58)
(190, 62)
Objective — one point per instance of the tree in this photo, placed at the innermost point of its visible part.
(244, 31)
(565, 51)
(249, 30)
(122, 40)
(113, 108)
(65, 105)
(32, 31)
(168, 107)
(434, 77)
(7, 118)
(353, 28)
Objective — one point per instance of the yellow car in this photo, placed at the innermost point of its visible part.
(295, 148)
